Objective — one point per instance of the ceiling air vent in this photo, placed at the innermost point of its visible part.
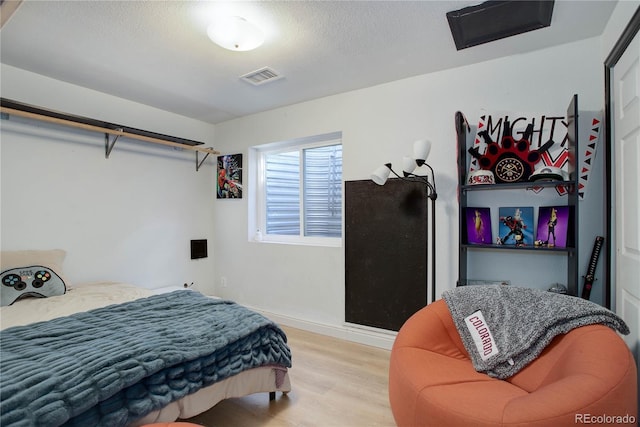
(261, 76)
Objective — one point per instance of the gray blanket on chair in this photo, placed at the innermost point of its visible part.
(504, 328)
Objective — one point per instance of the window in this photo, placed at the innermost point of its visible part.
(299, 191)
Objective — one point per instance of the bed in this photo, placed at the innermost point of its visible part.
(112, 354)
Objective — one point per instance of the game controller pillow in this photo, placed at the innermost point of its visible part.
(32, 281)
(50, 258)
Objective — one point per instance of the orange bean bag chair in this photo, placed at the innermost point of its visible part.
(580, 376)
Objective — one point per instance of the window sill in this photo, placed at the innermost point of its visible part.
(331, 242)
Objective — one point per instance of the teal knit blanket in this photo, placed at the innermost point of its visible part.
(113, 365)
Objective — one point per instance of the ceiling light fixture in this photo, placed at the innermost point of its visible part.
(235, 33)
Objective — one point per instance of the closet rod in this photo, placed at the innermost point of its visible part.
(10, 107)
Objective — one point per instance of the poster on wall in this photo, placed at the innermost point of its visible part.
(553, 224)
(516, 226)
(589, 134)
(548, 136)
(545, 136)
(479, 226)
(229, 182)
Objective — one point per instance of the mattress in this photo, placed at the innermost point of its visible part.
(93, 296)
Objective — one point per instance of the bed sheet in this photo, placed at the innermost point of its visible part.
(78, 299)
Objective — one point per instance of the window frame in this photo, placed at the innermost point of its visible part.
(257, 208)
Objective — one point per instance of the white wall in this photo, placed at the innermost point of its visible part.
(379, 124)
(129, 218)
(617, 23)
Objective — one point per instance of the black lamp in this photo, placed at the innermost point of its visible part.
(421, 149)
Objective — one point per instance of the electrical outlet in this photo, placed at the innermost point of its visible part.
(223, 281)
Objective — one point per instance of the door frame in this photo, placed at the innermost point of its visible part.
(612, 59)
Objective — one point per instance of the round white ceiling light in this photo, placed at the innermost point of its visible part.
(235, 33)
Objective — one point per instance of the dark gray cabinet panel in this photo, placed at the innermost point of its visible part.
(385, 252)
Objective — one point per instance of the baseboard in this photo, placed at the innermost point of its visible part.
(350, 332)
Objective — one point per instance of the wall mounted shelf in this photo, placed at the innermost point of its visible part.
(111, 131)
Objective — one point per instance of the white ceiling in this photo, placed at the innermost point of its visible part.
(157, 52)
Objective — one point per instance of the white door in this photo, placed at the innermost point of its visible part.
(626, 145)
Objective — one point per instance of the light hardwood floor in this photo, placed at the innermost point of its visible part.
(334, 383)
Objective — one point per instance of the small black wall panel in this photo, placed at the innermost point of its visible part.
(385, 252)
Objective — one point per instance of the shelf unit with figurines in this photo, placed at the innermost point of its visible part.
(518, 201)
